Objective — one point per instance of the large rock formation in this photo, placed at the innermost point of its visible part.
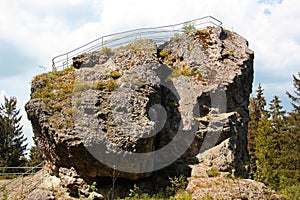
(142, 108)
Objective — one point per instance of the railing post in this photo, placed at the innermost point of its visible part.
(173, 31)
(67, 60)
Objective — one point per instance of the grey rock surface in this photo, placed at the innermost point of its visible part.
(153, 106)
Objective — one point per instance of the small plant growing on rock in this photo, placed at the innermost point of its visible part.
(106, 50)
(110, 86)
(115, 75)
(164, 53)
(94, 187)
(213, 172)
(100, 85)
(188, 27)
(177, 184)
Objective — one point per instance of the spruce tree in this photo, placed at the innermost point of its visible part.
(12, 140)
(35, 156)
(291, 149)
(256, 111)
(269, 144)
(295, 98)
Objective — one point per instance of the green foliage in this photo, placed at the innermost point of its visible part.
(110, 85)
(295, 97)
(256, 111)
(35, 156)
(213, 172)
(12, 141)
(177, 184)
(54, 86)
(188, 27)
(277, 142)
(5, 193)
(184, 72)
(81, 87)
(291, 192)
(231, 52)
(106, 50)
(107, 86)
(163, 53)
(176, 36)
(100, 85)
(264, 153)
(94, 187)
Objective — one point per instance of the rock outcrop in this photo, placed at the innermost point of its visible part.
(142, 108)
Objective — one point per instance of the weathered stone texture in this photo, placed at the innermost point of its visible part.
(202, 80)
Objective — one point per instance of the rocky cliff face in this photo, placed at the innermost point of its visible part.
(180, 108)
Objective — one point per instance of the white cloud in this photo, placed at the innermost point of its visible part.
(2, 94)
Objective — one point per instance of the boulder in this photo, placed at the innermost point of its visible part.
(137, 109)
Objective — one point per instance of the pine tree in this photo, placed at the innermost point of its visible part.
(12, 143)
(35, 156)
(295, 99)
(264, 153)
(256, 111)
(291, 148)
(269, 144)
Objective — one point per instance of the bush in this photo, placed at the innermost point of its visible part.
(291, 192)
(177, 184)
(213, 172)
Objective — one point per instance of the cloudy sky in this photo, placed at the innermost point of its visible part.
(33, 32)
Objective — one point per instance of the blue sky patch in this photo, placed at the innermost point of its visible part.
(13, 59)
(270, 2)
(267, 11)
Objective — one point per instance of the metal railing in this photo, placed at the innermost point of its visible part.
(157, 34)
(30, 171)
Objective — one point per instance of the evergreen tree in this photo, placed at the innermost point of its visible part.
(264, 153)
(12, 140)
(35, 156)
(291, 148)
(269, 144)
(256, 111)
(295, 99)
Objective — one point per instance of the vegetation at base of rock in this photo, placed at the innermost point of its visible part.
(274, 142)
(177, 186)
(35, 156)
(5, 195)
(12, 140)
(213, 172)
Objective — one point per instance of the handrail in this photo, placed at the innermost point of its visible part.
(30, 171)
(154, 33)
